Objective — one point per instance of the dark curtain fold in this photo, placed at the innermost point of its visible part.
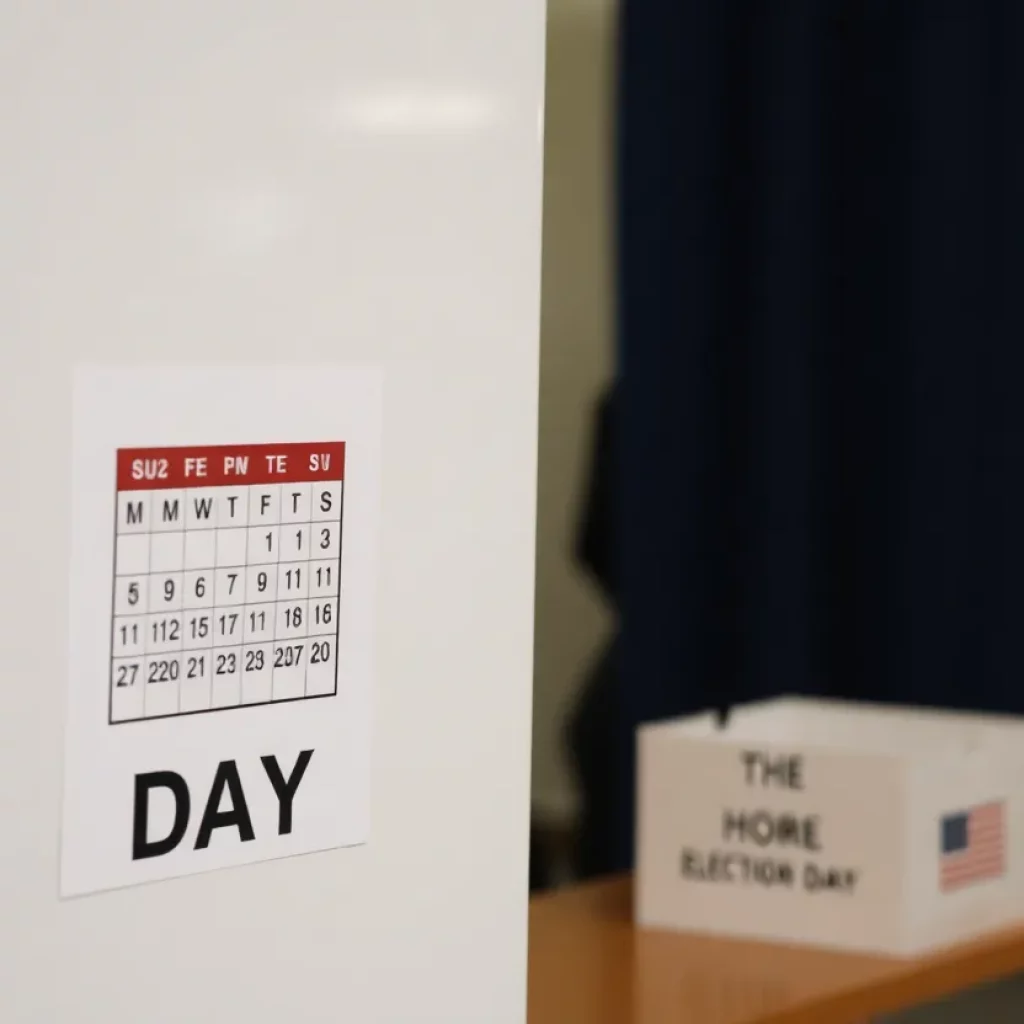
(820, 436)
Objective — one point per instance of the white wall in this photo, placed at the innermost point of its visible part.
(576, 360)
(247, 182)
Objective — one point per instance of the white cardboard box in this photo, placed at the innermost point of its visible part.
(878, 829)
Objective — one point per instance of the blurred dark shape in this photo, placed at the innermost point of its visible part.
(820, 442)
(541, 871)
(594, 723)
(595, 544)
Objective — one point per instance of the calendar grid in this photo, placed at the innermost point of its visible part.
(245, 608)
(341, 549)
(192, 636)
(213, 609)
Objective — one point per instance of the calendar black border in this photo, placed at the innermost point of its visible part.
(227, 707)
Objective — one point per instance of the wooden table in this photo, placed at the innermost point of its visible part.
(589, 966)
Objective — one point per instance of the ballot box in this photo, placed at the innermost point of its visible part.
(886, 830)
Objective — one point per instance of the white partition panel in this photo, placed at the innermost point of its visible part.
(269, 279)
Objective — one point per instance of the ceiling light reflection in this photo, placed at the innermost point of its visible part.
(402, 113)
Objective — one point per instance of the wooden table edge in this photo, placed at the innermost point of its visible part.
(924, 980)
(903, 984)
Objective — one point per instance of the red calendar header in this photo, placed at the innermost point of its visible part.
(152, 469)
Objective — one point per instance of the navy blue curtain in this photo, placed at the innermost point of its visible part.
(820, 452)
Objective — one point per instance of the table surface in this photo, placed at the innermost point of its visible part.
(589, 966)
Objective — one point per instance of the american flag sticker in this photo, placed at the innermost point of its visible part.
(972, 845)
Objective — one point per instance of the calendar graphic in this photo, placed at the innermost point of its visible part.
(227, 577)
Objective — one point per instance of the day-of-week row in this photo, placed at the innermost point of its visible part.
(156, 469)
(202, 508)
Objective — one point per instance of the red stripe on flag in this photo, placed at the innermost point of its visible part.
(985, 854)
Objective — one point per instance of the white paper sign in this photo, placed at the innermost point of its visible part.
(878, 829)
(221, 618)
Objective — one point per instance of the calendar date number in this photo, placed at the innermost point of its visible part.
(126, 675)
(163, 671)
(288, 656)
(226, 665)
